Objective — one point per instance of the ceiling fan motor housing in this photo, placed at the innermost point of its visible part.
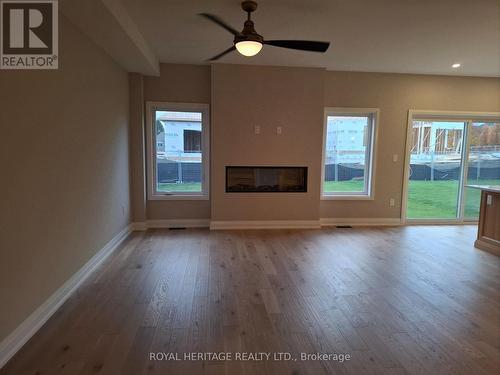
(248, 33)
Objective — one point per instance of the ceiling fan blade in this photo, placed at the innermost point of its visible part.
(304, 45)
(216, 57)
(220, 22)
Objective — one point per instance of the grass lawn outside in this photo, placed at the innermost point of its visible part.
(167, 187)
(428, 199)
(341, 186)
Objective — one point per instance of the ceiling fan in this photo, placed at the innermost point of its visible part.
(249, 43)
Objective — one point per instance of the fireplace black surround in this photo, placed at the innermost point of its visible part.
(251, 179)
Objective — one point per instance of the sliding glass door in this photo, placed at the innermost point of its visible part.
(436, 160)
(444, 157)
(483, 163)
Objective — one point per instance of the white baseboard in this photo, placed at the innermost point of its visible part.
(439, 222)
(12, 343)
(139, 226)
(172, 223)
(333, 221)
(179, 223)
(265, 224)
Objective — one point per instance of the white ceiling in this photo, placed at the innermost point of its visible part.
(400, 36)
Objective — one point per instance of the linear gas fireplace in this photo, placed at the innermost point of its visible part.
(266, 179)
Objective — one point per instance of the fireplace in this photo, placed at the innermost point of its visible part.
(250, 179)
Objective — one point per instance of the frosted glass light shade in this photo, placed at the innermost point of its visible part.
(248, 47)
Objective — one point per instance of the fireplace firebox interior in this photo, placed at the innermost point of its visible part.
(250, 179)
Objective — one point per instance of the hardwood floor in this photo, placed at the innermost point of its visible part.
(406, 300)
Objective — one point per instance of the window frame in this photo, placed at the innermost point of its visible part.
(370, 157)
(153, 193)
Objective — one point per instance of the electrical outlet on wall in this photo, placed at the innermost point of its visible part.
(256, 129)
(279, 130)
(395, 158)
(392, 202)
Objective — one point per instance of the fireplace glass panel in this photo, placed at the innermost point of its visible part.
(266, 179)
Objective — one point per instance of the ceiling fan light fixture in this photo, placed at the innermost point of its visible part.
(249, 43)
(248, 47)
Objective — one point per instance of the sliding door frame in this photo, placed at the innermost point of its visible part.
(467, 118)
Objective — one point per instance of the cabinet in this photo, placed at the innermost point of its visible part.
(488, 234)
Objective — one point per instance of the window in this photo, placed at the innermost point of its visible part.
(348, 144)
(192, 140)
(178, 143)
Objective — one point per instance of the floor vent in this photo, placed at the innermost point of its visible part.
(176, 228)
(343, 226)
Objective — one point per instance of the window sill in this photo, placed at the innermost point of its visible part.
(347, 197)
(179, 197)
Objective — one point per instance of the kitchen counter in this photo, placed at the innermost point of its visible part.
(490, 188)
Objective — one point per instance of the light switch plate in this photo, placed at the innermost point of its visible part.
(279, 130)
(395, 158)
(257, 129)
(489, 200)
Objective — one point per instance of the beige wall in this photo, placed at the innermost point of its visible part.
(181, 84)
(65, 179)
(394, 95)
(245, 96)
